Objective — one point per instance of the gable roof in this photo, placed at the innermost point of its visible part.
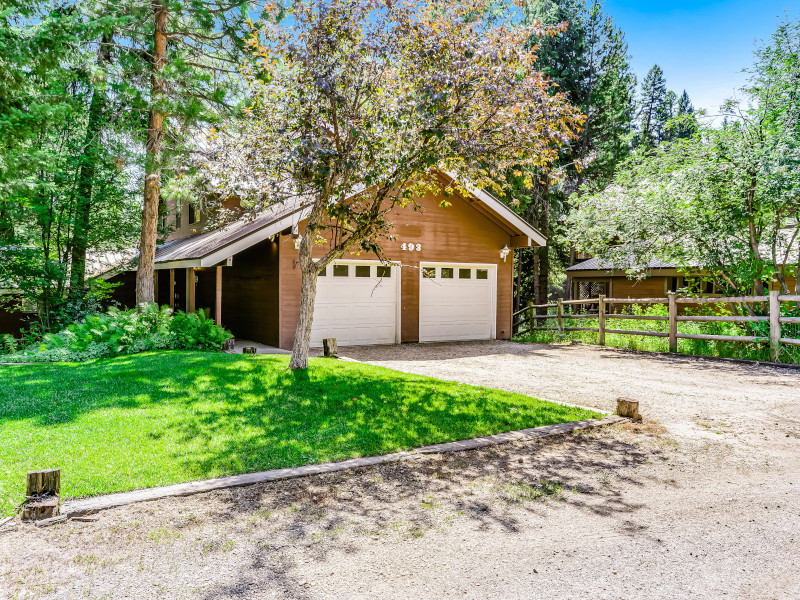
(596, 264)
(212, 247)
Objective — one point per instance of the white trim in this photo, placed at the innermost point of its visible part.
(503, 211)
(492, 267)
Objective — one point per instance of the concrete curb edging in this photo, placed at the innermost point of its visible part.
(77, 508)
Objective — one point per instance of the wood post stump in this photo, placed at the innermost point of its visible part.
(249, 350)
(626, 407)
(42, 494)
(228, 345)
(330, 347)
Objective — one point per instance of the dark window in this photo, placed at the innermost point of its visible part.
(341, 270)
(323, 273)
(192, 214)
(465, 273)
(362, 270)
(429, 272)
(384, 271)
(481, 274)
(447, 273)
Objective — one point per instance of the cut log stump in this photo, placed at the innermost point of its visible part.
(626, 407)
(330, 347)
(42, 494)
(249, 350)
(228, 345)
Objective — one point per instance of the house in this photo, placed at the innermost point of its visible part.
(592, 277)
(449, 275)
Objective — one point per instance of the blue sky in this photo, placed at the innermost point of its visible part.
(702, 46)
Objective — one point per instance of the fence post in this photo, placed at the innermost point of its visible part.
(560, 315)
(601, 320)
(530, 316)
(774, 326)
(673, 321)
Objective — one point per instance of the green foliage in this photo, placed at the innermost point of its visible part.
(8, 345)
(119, 332)
(589, 62)
(722, 202)
(154, 419)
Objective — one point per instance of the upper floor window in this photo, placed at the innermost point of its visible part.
(193, 216)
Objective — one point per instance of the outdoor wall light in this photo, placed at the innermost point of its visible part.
(296, 236)
(504, 252)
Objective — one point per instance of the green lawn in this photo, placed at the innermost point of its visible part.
(166, 417)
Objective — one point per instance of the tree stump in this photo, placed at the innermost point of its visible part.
(42, 494)
(330, 347)
(228, 345)
(626, 407)
(249, 350)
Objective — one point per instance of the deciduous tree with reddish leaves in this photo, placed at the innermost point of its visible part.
(354, 105)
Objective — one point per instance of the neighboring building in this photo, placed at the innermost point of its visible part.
(592, 277)
(450, 276)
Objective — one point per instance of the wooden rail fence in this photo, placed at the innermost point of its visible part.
(775, 320)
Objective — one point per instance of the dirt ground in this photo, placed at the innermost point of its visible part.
(702, 500)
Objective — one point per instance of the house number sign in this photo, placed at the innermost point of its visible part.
(411, 247)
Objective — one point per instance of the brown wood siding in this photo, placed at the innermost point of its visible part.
(249, 293)
(457, 234)
(652, 287)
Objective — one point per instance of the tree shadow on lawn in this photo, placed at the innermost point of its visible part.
(494, 489)
(161, 418)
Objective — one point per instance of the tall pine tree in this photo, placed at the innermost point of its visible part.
(653, 109)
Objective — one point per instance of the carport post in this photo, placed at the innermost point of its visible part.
(218, 304)
(172, 289)
(601, 320)
(673, 321)
(190, 290)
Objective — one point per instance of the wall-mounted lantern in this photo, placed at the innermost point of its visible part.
(504, 252)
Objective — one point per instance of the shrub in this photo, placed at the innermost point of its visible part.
(8, 345)
(124, 332)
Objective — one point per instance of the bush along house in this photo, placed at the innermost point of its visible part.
(447, 275)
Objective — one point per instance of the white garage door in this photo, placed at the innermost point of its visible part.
(457, 302)
(356, 304)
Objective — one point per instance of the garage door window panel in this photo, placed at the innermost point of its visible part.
(341, 270)
(465, 273)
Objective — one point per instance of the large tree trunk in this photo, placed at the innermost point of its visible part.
(145, 290)
(86, 174)
(308, 293)
(6, 225)
(543, 271)
(83, 201)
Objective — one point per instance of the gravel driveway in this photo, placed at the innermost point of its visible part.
(702, 500)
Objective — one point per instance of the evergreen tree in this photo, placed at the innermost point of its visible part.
(590, 62)
(653, 109)
(173, 66)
